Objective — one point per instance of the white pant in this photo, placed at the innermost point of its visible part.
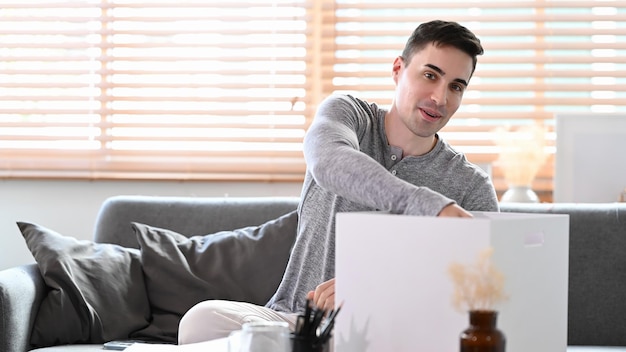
(215, 319)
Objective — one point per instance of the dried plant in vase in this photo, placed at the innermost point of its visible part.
(522, 153)
(478, 288)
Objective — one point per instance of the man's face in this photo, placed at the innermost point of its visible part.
(430, 87)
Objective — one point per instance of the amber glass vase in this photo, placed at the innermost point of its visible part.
(482, 335)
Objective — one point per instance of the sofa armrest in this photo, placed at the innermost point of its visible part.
(21, 291)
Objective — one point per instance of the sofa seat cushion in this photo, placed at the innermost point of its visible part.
(71, 348)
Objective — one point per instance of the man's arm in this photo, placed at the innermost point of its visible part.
(331, 151)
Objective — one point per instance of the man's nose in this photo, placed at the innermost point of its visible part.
(439, 94)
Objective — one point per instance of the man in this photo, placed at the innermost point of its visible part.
(360, 158)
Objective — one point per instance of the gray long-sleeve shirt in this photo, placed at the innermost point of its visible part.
(351, 167)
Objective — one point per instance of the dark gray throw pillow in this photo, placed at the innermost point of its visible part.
(96, 290)
(246, 264)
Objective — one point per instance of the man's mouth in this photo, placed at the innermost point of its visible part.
(430, 114)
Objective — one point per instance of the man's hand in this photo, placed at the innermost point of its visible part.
(324, 295)
(454, 211)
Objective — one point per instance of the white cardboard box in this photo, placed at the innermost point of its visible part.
(392, 277)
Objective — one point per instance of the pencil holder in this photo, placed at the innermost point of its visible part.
(307, 344)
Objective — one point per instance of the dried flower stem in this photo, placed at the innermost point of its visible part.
(479, 286)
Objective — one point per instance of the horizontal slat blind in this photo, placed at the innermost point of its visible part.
(164, 89)
(541, 57)
(226, 90)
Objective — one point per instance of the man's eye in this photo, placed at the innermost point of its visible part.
(457, 88)
(429, 75)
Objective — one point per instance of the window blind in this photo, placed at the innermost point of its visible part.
(159, 89)
(226, 90)
(541, 57)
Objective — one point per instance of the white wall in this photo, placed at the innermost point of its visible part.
(70, 207)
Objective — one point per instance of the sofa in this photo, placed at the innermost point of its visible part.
(150, 258)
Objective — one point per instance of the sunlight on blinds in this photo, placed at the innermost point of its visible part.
(48, 78)
(541, 58)
(225, 90)
(195, 89)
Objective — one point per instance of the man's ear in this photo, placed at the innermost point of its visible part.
(398, 66)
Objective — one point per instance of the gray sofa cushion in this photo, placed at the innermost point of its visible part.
(243, 265)
(96, 291)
